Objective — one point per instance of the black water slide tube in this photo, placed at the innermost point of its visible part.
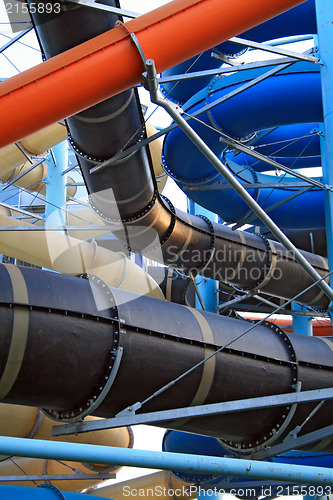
(126, 193)
(65, 333)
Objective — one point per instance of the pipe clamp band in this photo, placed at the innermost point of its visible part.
(135, 40)
(20, 330)
(209, 365)
(36, 425)
(272, 264)
(212, 245)
(276, 433)
(94, 402)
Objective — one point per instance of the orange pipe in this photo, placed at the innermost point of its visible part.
(110, 63)
(321, 327)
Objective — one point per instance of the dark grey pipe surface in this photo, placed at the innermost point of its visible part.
(75, 327)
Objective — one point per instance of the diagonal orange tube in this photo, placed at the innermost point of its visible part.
(110, 63)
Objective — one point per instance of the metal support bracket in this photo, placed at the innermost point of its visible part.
(95, 403)
(58, 477)
(130, 418)
(292, 441)
(136, 42)
(276, 50)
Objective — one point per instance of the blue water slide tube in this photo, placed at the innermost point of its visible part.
(182, 442)
(286, 105)
(300, 20)
(43, 492)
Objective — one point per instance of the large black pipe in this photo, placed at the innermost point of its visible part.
(126, 192)
(176, 287)
(64, 332)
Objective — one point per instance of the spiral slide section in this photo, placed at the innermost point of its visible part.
(300, 20)
(281, 102)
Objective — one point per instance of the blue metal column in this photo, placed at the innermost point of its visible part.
(324, 13)
(208, 288)
(56, 186)
(301, 324)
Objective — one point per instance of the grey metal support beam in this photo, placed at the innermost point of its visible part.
(88, 227)
(292, 441)
(275, 50)
(194, 411)
(175, 113)
(221, 71)
(21, 211)
(15, 39)
(58, 477)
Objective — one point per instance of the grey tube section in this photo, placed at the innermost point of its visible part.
(126, 194)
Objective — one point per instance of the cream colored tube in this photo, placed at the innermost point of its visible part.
(160, 485)
(155, 148)
(83, 217)
(34, 179)
(13, 162)
(69, 255)
(16, 465)
(45, 138)
(26, 421)
(36, 144)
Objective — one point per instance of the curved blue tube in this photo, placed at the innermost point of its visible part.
(294, 162)
(300, 20)
(290, 100)
(182, 442)
(305, 210)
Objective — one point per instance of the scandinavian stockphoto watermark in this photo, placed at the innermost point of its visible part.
(192, 491)
(227, 264)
